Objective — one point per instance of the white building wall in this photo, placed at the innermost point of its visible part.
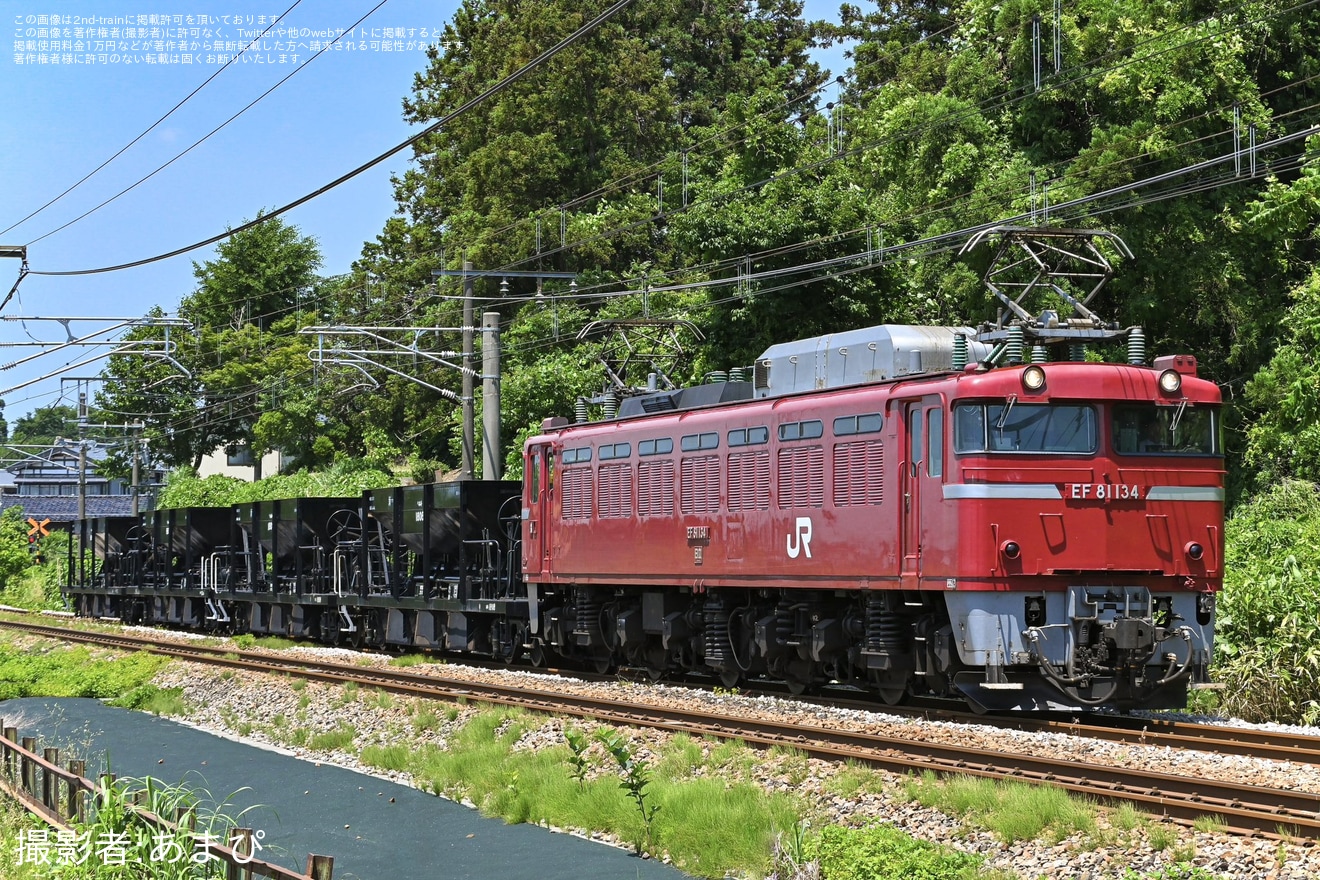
(218, 463)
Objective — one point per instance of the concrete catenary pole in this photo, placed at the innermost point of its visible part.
(468, 413)
(491, 465)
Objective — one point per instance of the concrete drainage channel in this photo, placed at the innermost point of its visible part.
(373, 828)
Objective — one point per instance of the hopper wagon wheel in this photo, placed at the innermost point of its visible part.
(344, 526)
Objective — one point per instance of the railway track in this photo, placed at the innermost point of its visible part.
(1241, 808)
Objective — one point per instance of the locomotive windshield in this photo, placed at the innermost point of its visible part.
(1166, 429)
(1024, 427)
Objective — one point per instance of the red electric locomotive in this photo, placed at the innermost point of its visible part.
(902, 508)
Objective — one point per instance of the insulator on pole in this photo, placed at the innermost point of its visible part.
(1077, 351)
(1039, 355)
(580, 410)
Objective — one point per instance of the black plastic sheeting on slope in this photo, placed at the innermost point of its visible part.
(302, 807)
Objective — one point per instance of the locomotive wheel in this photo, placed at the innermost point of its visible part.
(536, 654)
(891, 689)
(892, 696)
(730, 676)
(797, 686)
(601, 662)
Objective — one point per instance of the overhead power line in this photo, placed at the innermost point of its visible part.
(148, 130)
(496, 89)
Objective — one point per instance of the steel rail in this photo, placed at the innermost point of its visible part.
(1242, 808)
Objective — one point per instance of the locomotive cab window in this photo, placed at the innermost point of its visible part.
(581, 455)
(1024, 427)
(1166, 429)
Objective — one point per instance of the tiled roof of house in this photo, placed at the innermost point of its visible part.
(64, 508)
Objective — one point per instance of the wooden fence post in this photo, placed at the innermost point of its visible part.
(75, 810)
(320, 867)
(240, 840)
(11, 734)
(49, 784)
(29, 769)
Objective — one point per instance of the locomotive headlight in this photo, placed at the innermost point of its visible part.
(1194, 550)
(1170, 381)
(1010, 549)
(1033, 378)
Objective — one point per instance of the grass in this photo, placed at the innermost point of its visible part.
(269, 643)
(15, 819)
(403, 661)
(393, 758)
(1012, 811)
(853, 779)
(339, 739)
(710, 827)
(681, 756)
(884, 852)
(73, 672)
(157, 701)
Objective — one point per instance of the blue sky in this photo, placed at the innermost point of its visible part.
(62, 120)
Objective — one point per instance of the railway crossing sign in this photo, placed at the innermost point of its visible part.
(38, 529)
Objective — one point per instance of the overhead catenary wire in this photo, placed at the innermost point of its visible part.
(168, 113)
(207, 136)
(486, 94)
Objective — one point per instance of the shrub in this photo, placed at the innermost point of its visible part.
(1268, 627)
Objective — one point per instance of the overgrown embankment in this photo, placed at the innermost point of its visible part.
(1268, 629)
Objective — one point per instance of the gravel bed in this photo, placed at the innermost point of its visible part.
(245, 706)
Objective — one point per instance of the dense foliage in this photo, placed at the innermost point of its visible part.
(1268, 634)
(346, 479)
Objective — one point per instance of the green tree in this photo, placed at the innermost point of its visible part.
(41, 426)
(14, 556)
(242, 376)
